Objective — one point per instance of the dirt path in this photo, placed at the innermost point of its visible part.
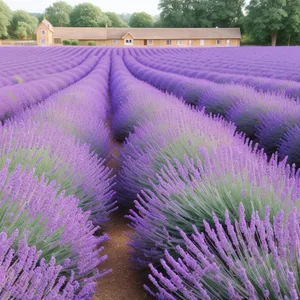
(124, 283)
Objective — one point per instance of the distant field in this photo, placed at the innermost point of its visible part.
(199, 148)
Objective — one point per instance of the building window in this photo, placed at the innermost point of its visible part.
(202, 42)
(178, 42)
(115, 42)
(57, 41)
(150, 42)
(43, 42)
(43, 32)
(169, 42)
(218, 42)
(227, 42)
(128, 42)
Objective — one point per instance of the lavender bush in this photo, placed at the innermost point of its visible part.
(216, 181)
(81, 110)
(51, 222)
(256, 260)
(60, 158)
(169, 135)
(25, 276)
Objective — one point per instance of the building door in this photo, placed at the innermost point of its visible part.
(43, 42)
(145, 42)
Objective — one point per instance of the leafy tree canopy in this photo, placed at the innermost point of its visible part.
(116, 20)
(292, 22)
(141, 19)
(88, 15)
(5, 16)
(21, 18)
(266, 18)
(58, 14)
(200, 13)
(23, 30)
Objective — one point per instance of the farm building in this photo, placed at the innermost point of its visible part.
(47, 35)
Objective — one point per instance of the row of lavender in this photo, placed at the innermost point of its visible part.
(22, 66)
(212, 213)
(55, 191)
(271, 120)
(259, 83)
(15, 97)
(14, 59)
(280, 63)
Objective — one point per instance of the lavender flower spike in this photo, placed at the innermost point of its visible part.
(207, 268)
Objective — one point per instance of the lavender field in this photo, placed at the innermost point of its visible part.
(198, 149)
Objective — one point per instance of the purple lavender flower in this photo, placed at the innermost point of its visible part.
(216, 181)
(274, 126)
(290, 146)
(50, 221)
(216, 279)
(60, 158)
(24, 275)
(170, 134)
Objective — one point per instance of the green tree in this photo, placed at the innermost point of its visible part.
(184, 13)
(88, 15)
(292, 22)
(201, 13)
(58, 14)
(225, 13)
(19, 19)
(5, 16)
(140, 20)
(266, 18)
(23, 30)
(115, 20)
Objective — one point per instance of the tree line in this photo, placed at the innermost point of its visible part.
(21, 24)
(262, 21)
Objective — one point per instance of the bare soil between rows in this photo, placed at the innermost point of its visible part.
(125, 282)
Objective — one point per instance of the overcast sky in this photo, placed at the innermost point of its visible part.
(118, 6)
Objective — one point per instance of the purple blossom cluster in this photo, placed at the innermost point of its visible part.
(264, 117)
(60, 158)
(55, 189)
(184, 194)
(51, 221)
(238, 260)
(24, 275)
